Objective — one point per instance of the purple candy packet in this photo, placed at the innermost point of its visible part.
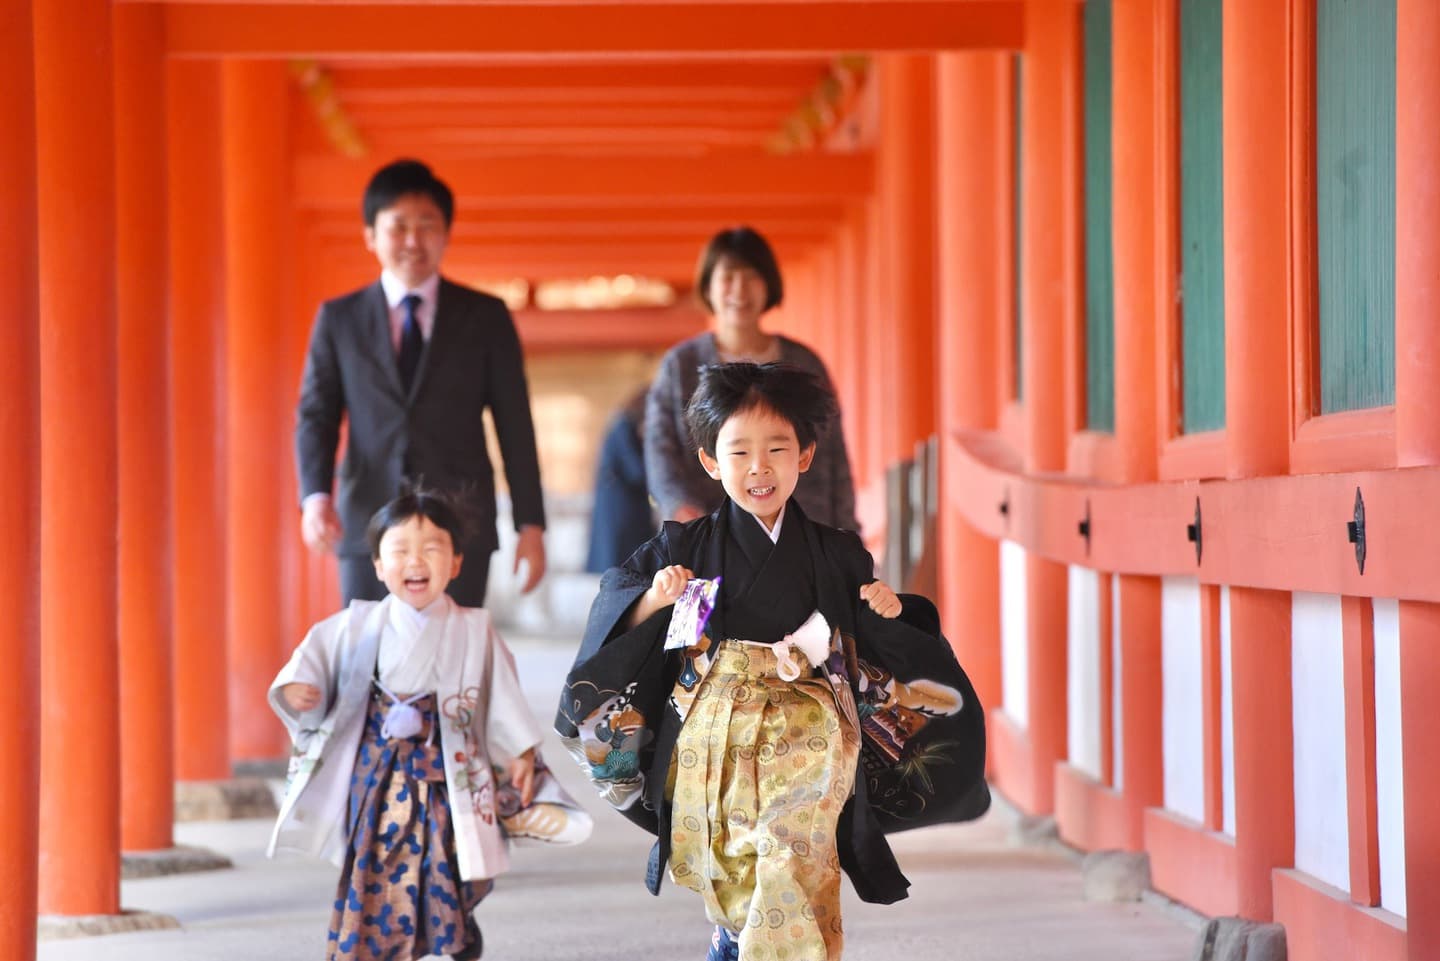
(692, 611)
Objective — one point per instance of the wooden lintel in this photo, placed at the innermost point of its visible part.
(365, 29)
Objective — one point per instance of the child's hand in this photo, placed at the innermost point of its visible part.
(522, 776)
(301, 697)
(881, 599)
(665, 589)
(668, 585)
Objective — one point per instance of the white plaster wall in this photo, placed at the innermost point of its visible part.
(1389, 780)
(1184, 714)
(1317, 668)
(1083, 670)
(1227, 717)
(1014, 652)
(1117, 680)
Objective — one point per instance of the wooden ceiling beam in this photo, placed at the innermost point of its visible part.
(739, 79)
(558, 181)
(569, 26)
(467, 116)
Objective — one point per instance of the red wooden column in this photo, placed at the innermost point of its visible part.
(20, 481)
(1048, 278)
(1417, 439)
(905, 172)
(147, 796)
(973, 189)
(192, 100)
(876, 331)
(80, 750)
(1136, 145)
(254, 98)
(1257, 439)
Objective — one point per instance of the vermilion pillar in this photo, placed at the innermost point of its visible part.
(1256, 433)
(1048, 279)
(905, 171)
(1136, 145)
(192, 99)
(850, 345)
(1417, 438)
(973, 188)
(147, 802)
(20, 481)
(876, 327)
(257, 211)
(80, 743)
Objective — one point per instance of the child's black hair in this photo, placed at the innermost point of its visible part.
(725, 390)
(417, 502)
(395, 180)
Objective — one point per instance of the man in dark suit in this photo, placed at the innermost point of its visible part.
(412, 361)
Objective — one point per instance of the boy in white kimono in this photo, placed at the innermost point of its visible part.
(397, 709)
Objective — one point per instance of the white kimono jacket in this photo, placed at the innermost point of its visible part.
(483, 718)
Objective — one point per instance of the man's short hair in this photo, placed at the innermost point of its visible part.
(395, 180)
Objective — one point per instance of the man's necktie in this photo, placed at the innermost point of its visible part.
(411, 342)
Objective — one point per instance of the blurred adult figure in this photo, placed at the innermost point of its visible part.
(623, 518)
(410, 363)
(738, 281)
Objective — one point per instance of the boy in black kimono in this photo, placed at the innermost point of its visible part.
(815, 711)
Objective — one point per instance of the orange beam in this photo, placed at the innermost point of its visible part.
(80, 705)
(20, 481)
(147, 803)
(202, 745)
(1280, 533)
(418, 117)
(688, 235)
(334, 30)
(501, 182)
(579, 81)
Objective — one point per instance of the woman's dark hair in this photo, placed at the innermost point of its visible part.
(743, 245)
(395, 180)
(725, 390)
(417, 502)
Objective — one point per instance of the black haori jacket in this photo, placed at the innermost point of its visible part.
(922, 756)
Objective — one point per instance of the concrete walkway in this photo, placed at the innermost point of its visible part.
(975, 897)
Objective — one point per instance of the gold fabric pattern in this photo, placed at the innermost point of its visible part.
(761, 771)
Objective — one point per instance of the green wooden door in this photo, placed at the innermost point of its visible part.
(1355, 202)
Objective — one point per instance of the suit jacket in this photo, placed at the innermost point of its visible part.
(471, 361)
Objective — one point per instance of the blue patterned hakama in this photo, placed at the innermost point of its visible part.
(400, 896)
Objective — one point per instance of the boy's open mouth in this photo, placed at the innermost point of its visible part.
(417, 581)
(762, 491)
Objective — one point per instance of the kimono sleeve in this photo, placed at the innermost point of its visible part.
(315, 661)
(510, 728)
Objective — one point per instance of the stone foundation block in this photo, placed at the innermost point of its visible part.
(224, 800)
(1116, 875)
(181, 859)
(1236, 939)
(53, 927)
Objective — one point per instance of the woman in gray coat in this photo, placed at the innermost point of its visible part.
(738, 280)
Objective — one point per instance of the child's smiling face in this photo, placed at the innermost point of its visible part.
(758, 460)
(417, 561)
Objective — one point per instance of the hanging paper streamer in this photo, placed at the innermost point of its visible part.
(692, 610)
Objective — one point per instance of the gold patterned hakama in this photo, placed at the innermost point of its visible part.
(762, 769)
